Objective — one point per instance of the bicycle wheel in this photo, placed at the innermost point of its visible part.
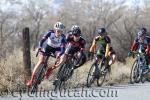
(58, 82)
(148, 79)
(34, 88)
(91, 75)
(145, 75)
(134, 73)
(143, 78)
(103, 72)
(39, 77)
(65, 73)
(61, 77)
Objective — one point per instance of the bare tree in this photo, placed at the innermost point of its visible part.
(35, 12)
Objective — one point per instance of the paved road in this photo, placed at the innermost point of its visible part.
(121, 92)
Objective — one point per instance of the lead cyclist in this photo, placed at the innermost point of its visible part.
(55, 44)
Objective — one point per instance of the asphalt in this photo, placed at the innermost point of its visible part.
(119, 92)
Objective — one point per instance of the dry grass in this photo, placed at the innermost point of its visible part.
(11, 73)
(11, 70)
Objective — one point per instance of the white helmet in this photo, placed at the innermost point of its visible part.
(75, 27)
(59, 26)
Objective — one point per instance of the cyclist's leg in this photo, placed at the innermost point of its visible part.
(112, 60)
(42, 57)
(99, 54)
(40, 61)
(50, 69)
(72, 50)
(148, 55)
(81, 59)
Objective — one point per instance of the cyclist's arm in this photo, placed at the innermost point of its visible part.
(83, 43)
(134, 45)
(44, 38)
(107, 49)
(108, 43)
(62, 47)
(82, 52)
(93, 47)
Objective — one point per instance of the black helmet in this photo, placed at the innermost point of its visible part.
(101, 30)
(142, 31)
(76, 31)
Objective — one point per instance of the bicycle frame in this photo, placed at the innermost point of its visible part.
(40, 73)
(141, 56)
(65, 72)
(137, 70)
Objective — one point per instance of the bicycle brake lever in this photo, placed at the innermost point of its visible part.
(37, 53)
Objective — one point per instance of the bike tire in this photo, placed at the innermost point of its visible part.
(91, 75)
(60, 78)
(133, 75)
(38, 79)
(148, 79)
(103, 72)
(143, 78)
(34, 88)
(64, 73)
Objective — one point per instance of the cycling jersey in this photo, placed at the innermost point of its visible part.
(58, 43)
(137, 40)
(102, 42)
(79, 45)
(146, 42)
(76, 47)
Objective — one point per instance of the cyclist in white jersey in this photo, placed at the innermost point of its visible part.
(55, 44)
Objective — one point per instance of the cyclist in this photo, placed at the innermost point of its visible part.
(105, 49)
(75, 44)
(55, 44)
(144, 38)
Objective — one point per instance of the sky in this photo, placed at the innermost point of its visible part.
(55, 3)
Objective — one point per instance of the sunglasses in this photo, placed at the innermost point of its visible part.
(77, 35)
(59, 31)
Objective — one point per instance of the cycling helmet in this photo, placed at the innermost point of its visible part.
(75, 27)
(101, 30)
(75, 30)
(59, 26)
(142, 31)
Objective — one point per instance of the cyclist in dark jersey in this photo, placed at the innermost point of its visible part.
(75, 44)
(55, 44)
(144, 38)
(104, 46)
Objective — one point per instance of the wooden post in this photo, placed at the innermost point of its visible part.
(26, 53)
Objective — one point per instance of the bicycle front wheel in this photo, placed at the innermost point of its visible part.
(91, 75)
(134, 73)
(39, 77)
(103, 73)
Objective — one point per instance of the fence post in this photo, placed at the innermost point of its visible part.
(26, 53)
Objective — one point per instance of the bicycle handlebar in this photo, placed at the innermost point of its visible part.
(136, 53)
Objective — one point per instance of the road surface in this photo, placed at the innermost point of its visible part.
(120, 92)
